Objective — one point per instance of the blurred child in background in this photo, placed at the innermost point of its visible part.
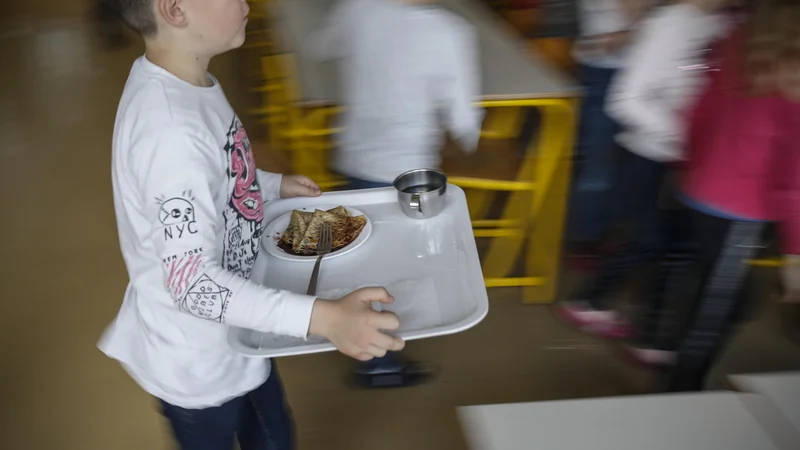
(743, 172)
(649, 97)
(606, 30)
(409, 72)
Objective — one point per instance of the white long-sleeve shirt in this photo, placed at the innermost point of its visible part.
(189, 206)
(661, 78)
(600, 17)
(405, 70)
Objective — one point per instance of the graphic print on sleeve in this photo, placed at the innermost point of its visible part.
(206, 299)
(244, 212)
(177, 216)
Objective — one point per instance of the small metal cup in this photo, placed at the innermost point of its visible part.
(421, 193)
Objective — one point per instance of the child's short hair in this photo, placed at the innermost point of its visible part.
(137, 14)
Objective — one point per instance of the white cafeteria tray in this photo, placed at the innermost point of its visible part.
(431, 267)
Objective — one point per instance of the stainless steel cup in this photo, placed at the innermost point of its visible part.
(421, 193)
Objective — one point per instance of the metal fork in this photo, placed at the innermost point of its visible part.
(324, 244)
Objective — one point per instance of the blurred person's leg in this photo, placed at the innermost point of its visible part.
(635, 196)
(391, 370)
(725, 246)
(259, 418)
(658, 325)
(596, 156)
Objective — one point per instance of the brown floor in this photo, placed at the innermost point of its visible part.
(63, 281)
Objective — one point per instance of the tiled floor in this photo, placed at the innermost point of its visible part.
(63, 280)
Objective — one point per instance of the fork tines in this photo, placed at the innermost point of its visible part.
(325, 238)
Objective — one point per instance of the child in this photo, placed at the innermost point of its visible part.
(189, 205)
(403, 62)
(648, 99)
(605, 35)
(743, 172)
(405, 66)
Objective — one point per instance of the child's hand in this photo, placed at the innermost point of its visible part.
(298, 186)
(353, 327)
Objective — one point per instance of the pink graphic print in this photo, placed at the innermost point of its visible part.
(244, 211)
(246, 197)
(180, 272)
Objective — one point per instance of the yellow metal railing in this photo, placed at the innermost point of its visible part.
(531, 222)
(305, 133)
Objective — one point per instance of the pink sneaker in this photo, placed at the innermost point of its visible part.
(650, 358)
(605, 324)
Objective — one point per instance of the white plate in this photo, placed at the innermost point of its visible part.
(276, 228)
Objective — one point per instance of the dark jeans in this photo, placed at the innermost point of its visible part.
(393, 361)
(636, 198)
(724, 246)
(659, 323)
(596, 154)
(260, 419)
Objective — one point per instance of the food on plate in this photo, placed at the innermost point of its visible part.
(297, 227)
(302, 235)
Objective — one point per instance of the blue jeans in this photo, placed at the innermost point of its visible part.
(596, 154)
(260, 419)
(635, 197)
(392, 362)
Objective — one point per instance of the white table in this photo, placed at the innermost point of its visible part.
(782, 389)
(707, 421)
(508, 68)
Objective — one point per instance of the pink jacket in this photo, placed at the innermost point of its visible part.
(744, 151)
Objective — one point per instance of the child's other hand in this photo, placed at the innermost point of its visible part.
(299, 186)
(353, 327)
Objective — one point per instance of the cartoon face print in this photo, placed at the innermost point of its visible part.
(244, 212)
(246, 197)
(175, 211)
(206, 299)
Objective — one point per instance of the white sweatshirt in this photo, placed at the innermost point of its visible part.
(189, 206)
(661, 78)
(401, 65)
(599, 17)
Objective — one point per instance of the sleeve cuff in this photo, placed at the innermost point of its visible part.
(270, 185)
(469, 131)
(297, 315)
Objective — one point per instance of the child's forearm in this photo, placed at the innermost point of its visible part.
(251, 305)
